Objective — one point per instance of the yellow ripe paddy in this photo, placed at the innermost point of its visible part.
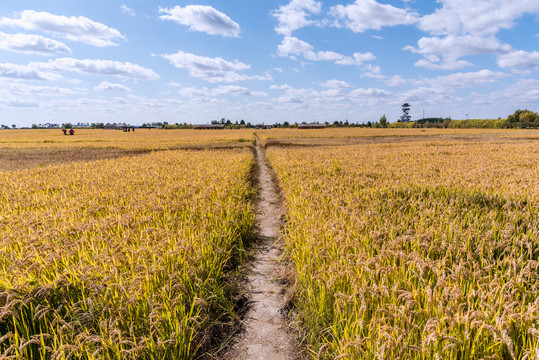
(415, 250)
(401, 243)
(123, 258)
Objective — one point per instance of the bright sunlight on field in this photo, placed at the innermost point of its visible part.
(415, 250)
(122, 258)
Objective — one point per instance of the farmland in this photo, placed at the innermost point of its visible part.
(122, 258)
(399, 243)
(414, 250)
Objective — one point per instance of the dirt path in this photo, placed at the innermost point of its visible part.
(266, 333)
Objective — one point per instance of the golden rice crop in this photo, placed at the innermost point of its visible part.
(415, 250)
(154, 139)
(21, 149)
(123, 258)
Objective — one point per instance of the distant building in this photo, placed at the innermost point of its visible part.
(311, 126)
(116, 126)
(405, 117)
(209, 127)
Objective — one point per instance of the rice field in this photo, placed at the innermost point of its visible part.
(418, 250)
(401, 243)
(125, 258)
(39, 148)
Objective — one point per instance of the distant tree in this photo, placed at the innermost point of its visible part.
(68, 126)
(383, 121)
(34, 126)
(369, 124)
(242, 122)
(523, 119)
(529, 117)
(286, 124)
(14, 126)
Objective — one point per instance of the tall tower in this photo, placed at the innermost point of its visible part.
(405, 117)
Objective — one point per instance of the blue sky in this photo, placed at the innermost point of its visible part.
(141, 61)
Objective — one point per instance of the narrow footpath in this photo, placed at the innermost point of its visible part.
(266, 334)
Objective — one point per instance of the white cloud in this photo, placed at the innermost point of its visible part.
(520, 94)
(478, 17)
(295, 14)
(212, 69)
(454, 47)
(79, 29)
(519, 59)
(444, 65)
(293, 46)
(372, 71)
(107, 86)
(98, 67)
(396, 80)
(22, 89)
(22, 104)
(451, 48)
(202, 18)
(460, 80)
(332, 96)
(370, 15)
(336, 84)
(32, 44)
(127, 10)
(224, 90)
(280, 87)
(25, 72)
(469, 28)
(369, 93)
(428, 95)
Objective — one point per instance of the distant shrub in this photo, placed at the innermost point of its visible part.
(523, 119)
(478, 124)
(406, 125)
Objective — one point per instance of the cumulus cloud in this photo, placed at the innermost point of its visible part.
(369, 93)
(443, 65)
(519, 59)
(32, 44)
(127, 10)
(107, 86)
(309, 97)
(22, 104)
(452, 47)
(336, 84)
(220, 91)
(291, 46)
(479, 17)
(212, 69)
(22, 89)
(202, 18)
(460, 80)
(295, 14)
(465, 28)
(370, 15)
(396, 80)
(98, 67)
(25, 72)
(280, 87)
(80, 29)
